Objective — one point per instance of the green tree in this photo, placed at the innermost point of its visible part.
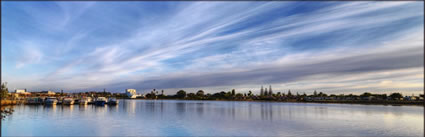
(3, 94)
(150, 95)
(278, 94)
(191, 95)
(228, 95)
(321, 94)
(289, 93)
(239, 95)
(366, 94)
(4, 91)
(181, 94)
(200, 93)
(396, 95)
(249, 93)
(233, 92)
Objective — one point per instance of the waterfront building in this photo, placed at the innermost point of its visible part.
(411, 98)
(44, 93)
(48, 92)
(131, 93)
(20, 90)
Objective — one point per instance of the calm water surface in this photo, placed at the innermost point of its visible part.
(214, 118)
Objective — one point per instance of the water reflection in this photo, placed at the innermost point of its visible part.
(215, 118)
(200, 109)
(266, 112)
(129, 106)
(180, 108)
(113, 108)
(83, 107)
(50, 110)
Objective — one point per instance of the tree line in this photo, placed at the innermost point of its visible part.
(279, 96)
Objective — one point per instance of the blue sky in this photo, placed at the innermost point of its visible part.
(334, 47)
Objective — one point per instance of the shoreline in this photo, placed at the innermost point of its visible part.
(361, 102)
(385, 103)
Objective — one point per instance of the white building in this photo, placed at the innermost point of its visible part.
(20, 90)
(131, 93)
(48, 92)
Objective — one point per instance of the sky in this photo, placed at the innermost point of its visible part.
(331, 47)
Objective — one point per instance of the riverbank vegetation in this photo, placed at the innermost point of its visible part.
(365, 98)
(5, 111)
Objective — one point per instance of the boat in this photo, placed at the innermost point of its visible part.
(77, 101)
(113, 101)
(84, 100)
(34, 101)
(68, 101)
(51, 101)
(100, 101)
(90, 100)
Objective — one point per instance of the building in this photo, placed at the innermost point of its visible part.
(411, 98)
(48, 92)
(131, 93)
(20, 90)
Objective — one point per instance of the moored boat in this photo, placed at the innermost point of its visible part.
(100, 101)
(34, 101)
(90, 100)
(84, 100)
(51, 101)
(68, 101)
(77, 101)
(113, 101)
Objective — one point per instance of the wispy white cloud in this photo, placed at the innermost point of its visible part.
(29, 55)
(226, 42)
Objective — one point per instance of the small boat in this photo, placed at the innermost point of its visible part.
(51, 101)
(100, 101)
(68, 101)
(113, 101)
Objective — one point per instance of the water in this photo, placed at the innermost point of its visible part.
(215, 118)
